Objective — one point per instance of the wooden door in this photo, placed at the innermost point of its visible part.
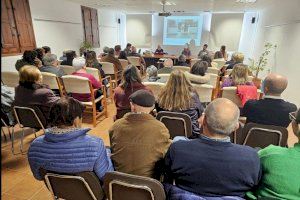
(24, 24)
(9, 36)
(86, 17)
(95, 28)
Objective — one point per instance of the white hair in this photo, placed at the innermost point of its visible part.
(78, 63)
(49, 59)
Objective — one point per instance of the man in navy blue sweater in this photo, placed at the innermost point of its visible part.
(212, 166)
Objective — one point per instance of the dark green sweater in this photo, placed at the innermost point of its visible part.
(281, 173)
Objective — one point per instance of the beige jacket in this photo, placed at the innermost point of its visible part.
(138, 141)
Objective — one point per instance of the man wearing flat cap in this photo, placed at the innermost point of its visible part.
(138, 140)
(281, 169)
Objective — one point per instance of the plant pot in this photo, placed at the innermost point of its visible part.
(257, 82)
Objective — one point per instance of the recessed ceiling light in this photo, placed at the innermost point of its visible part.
(167, 3)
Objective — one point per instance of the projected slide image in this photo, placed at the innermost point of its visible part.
(179, 30)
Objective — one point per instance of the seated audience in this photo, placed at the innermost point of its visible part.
(29, 58)
(64, 56)
(238, 76)
(51, 65)
(91, 61)
(131, 82)
(280, 167)
(203, 52)
(70, 54)
(179, 96)
(110, 57)
(7, 99)
(123, 56)
(127, 50)
(30, 91)
(135, 54)
(221, 54)
(151, 72)
(105, 52)
(47, 49)
(212, 166)
(272, 109)
(238, 58)
(182, 61)
(79, 66)
(138, 140)
(168, 67)
(186, 51)
(117, 50)
(40, 54)
(159, 50)
(198, 74)
(66, 147)
(207, 58)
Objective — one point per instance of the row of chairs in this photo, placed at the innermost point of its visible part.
(254, 135)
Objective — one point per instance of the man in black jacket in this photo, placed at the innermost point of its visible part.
(272, 109)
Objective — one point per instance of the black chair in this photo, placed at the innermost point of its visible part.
(258, 135)
(178, 124)
(31, 117)
(78, 186)
(121, 186)
(5, 123)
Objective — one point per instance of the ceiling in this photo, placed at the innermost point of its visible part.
(188, 6)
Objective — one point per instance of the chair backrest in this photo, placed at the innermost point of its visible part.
(51, 80)
(178, 124)
(84, 185)
(213, 80)
(11, 79)
(67, 69)
(121, 186)
(77, 84)
(230, 93)
(214, 65)
(193, 61)
(136, 61)
(124, 63)
(94, 72)
(164, 75)
(220, 62)
(182, 68)
(213, 70)
(155, 87)
(258, 135)
(204, 91)
(31, 117)
(108, 68)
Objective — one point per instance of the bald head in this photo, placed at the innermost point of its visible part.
(275, 84)
(221, 117)
(168, 63)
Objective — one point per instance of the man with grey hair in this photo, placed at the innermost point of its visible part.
(110, 57)
(168, 67)
(212, 166)
(182, 61)
(272, 109)
(51, 65)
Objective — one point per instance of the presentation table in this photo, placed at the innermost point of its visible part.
(154, 59)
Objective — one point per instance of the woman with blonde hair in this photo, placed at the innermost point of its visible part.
(238, 76)
(179, 96)
(31, 91)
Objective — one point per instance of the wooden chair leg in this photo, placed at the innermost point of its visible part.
(104, 105)
(94, 115)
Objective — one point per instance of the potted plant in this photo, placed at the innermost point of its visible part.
(260, 65)
(85, 46)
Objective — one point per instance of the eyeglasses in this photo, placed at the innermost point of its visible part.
(292, 116)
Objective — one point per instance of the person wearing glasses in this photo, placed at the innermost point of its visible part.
(281, 169)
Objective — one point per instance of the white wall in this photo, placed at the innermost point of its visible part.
(280, 24)
(58, 24)
(139, 30)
